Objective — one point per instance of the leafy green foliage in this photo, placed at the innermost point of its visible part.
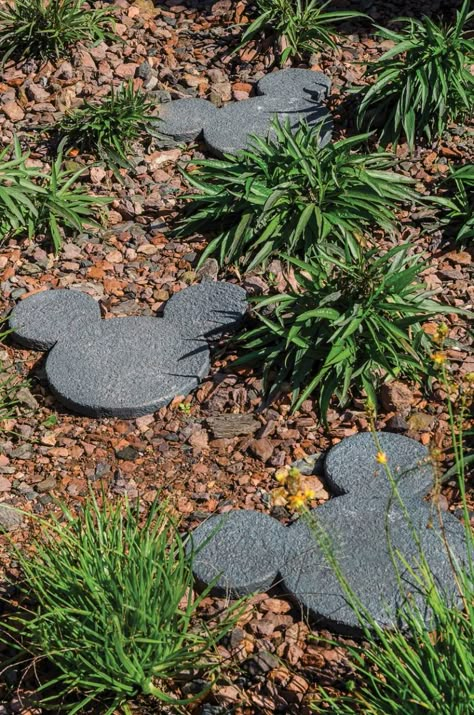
(421, 83)
(109, 128)
(113, 607)
(302, 26)
(460, 207)
(422, 668)
(288, 194)
(49, 28)
(33, 202)
(353, 325)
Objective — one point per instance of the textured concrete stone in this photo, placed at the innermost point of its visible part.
(292, 94)
(359, 543)
(241, 551)
(351, 466)
(38, 321)
(184, 119)
(128, 367)
(235, 124)
(367, 532)
(294, 83)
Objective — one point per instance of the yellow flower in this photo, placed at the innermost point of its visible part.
(439, 358)
(441, 333)
(281, 476)
(309, 494)
(297, 501)
(381, 458)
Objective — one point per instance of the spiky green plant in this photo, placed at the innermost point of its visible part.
(50, 28)
(354, 323)
(423, 82)
(113, 608)
(108, 128)
(459, 208)
(287, 193)
(34, 201)
(302, 26)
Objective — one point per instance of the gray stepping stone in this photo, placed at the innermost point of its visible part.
(38, 321)
(366, 527)
(184, 119)
(351, 467)
(293, 94)
(126, 367)
(235, 124)
(358, 540)
(294, 82)
(240, 552)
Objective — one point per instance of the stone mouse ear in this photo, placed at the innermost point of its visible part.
(38, 321)
(356, 466)
(207, 309)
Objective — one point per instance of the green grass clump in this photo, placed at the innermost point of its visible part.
(353, 323)
(34, 201)
(288, 194)
(48, 29)
(423, 82)
(108, 128)
(113, 609)
(301, 26)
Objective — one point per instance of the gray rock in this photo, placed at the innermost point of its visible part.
(38, 321)
(293, 83)
(358, 541)
(184, 119)
(128, 367)
(351, 467)
(240, 552)
(10, 518)
(292, 94)
(375, 541)
(237, 122)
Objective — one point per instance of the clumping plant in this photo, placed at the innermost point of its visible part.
(302, 26)
(355, 323)
(46, 29)
(288, 194)
(112, 608)
(108, 128)
(419, 667)
(423, 82)
(34, 202)
(459, 207)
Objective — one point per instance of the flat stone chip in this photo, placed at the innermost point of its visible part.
(234, 124)
(207, 309)
(359, 544)
(38, 321)
(125, 367)
(351, 466)
(295, 83)
(184, 119)
(241, 551)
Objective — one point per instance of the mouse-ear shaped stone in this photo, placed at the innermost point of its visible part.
(37, 322)
(294, 82)
(184, 119)
(239, 552)
(207, 309)
(352, 466)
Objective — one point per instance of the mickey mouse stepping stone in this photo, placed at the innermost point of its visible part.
(365, 525)
(290, 95)
(125, 367)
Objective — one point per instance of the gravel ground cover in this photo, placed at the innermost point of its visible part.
(219, 448)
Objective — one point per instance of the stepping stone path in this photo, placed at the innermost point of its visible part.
(125, 367)
(247, 553)
(291, 94)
